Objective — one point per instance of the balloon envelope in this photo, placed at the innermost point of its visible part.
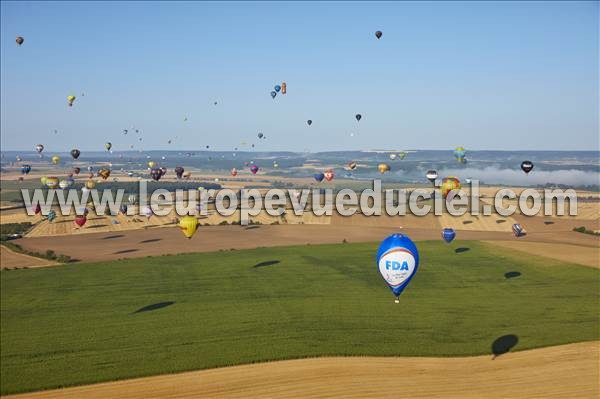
(378, 34)
(448, 235)
(527, 166)
(397, 261)
(449, 184)
(188, 225)
(319, 177)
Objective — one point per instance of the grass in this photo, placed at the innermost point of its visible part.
(77, 324)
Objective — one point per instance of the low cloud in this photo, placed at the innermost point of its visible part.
(493, 175)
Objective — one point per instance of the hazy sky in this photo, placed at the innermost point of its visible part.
(484, 75)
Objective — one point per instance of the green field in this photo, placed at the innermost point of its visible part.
(78, 324)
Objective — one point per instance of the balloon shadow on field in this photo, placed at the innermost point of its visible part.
(252, 227)
(461, 250)
(267, 263)
(113, 236)
(548, 222)
(504, 344)
(500, 221)
(150, 240)
(467, 221)
(154, 306)
(126, 251)
(512, 274)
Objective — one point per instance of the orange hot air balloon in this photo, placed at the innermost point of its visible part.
(283, 87)
(234, 172)
(449, 184)
(104, 173)
(383, 167)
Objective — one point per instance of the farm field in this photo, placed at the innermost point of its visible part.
(93, 322)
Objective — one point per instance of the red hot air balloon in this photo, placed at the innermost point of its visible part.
(253, 169)
(80, 220)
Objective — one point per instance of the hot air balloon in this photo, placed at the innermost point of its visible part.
(51, 215)
(378, 34)
(80, 220)
(39, 148)
(358, 117)
(527, 166)
(275, 164)
(55, 159)
(402, 155)
(104, 173)
(254, 169)
(163, 170)
(18, 158)
(329, 175)
(234, 172)
(90, 184)
(75, 153)
(43, 180)
(76, 170)
(179, 172)
(37, 209)
(25, 169)
(151, 164)
(383, 167)
(432, 175)
(393, 156)
(309, 122)
(518, 231)
(188, 225)
(449, 184)
(19, 40)
(273, 94)
(283, 88)
(397, 261)
(70, 100)
(448, 235)
(459, 154)
(277, 88)
(123, 209)
(319, 177)
(156, 174)
(108, 145)
(51, 182)
(260, 135)
(187, 175)
(351, 165)
(131, 199)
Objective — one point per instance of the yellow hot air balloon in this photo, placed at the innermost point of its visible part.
(52, 182)
(188, 225)
(383, 167)
(43, 180)
(90, 184)
(55, 159)
(70, 99)
(151, 164)
(449, 184)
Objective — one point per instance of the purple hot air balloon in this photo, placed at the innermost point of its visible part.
(253, 169)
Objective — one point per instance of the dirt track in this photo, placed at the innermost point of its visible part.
(567, 371)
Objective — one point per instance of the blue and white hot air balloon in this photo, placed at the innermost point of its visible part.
(397, 262)
(448, 235)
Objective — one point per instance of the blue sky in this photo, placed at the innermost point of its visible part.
(485, 75)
